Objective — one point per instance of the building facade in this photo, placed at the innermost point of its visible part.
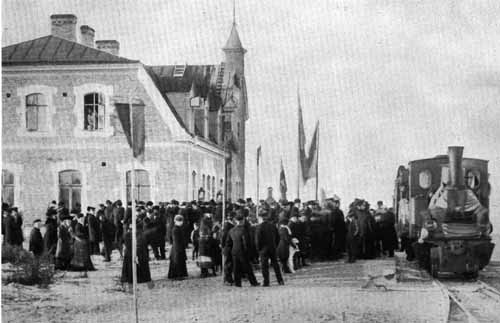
(62, 140)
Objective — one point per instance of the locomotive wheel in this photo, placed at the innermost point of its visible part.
(434, 268)
(472, 274)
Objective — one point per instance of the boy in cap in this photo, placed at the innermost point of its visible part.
(36, 240)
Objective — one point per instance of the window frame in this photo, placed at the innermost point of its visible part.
(106, 91)
(10, 185)
(71, 187)
(129, 188)
(48, 92)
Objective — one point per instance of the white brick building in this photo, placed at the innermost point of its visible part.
(62, 140)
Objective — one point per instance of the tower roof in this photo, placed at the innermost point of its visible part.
(234, 41)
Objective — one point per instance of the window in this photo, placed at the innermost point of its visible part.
(93, 112)
(208, 187)
(473, 179)
(194, 185)
(213, 187)
(70, 188)
(203, 183)
(142, 186)
(7, 187)
(36, 112)
(425, 179)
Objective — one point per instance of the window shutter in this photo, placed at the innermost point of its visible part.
(100, 117)
(32, 118)
(42, 117)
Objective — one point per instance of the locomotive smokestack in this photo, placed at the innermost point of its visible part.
(456, 194)
(455, 154)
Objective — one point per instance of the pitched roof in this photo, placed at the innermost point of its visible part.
(233, 41)
(198, 76)
(55, 50)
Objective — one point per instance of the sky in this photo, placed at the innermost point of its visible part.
(389, 81)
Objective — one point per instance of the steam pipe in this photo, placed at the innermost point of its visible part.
(455, 154)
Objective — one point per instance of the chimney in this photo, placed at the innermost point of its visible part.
(87, 34)
(110, 46)
(64, 26)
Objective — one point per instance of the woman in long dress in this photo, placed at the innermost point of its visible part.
(284, 245)
(81, 258)
(143, 271)
(64, 244)
(177, 268)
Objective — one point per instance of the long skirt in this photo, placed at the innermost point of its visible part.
(81, 258)
(205, 260)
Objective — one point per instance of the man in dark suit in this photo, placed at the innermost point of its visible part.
(266, 239)
(36, 240)
(239, 241)
(226, 250)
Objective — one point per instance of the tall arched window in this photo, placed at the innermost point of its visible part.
(70, 188)
(194, 185)
(7, 187)
(203, 182)
(213, 187)
(36, 112)
(142, 186)
(93, 112)
(208, 188)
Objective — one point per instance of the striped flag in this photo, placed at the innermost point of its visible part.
(259, 152)
(137, 139)
(311, 163)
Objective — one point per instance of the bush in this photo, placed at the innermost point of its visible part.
(26, 268)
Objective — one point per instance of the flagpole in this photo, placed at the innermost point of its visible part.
(298, 144)
(258, 183)
(134, 215)
(223, 206)
(317, 163)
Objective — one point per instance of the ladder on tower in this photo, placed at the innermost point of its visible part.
(179, 70)
(220, 79)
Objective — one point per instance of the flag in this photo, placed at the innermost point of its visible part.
(137, 140)
(283, 187)
(311, 163)
(302, 138)
(259, 151)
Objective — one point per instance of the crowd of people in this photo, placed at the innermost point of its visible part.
(234, 241)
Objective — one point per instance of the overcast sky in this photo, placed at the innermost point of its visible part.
(390, 81)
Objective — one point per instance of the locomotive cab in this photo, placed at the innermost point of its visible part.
(441, 205)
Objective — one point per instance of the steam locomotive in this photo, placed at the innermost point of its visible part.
(441, 205)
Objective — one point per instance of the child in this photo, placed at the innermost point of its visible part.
(36, 240)
(195, 238)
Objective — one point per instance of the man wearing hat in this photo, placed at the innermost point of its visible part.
(239, 241)
(50, 237)
(226, 250)
(13, 228)
(266, 238)
(107, 229)
(36, 240)
(94, 230)
(118, 220)
(339, 227)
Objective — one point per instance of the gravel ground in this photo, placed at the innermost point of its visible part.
(366, 291)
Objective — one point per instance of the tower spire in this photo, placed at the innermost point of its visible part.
(234, 12)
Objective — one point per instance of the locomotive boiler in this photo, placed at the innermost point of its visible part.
(441, 205)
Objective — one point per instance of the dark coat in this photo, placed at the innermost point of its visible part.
(94, 228)
(225, 234)
(388, 231)
(239, 241)
(50, 237)
(177, 267)
(81, 251)
(64, 249)
(13, 230)
(143, 271)
(36, 242)
(266, 238)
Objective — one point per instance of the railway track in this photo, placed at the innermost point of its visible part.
(478, 301)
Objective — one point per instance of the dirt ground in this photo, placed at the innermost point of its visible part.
(366, 291)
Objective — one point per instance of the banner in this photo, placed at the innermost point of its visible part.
(283, 187)
(136, 140)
